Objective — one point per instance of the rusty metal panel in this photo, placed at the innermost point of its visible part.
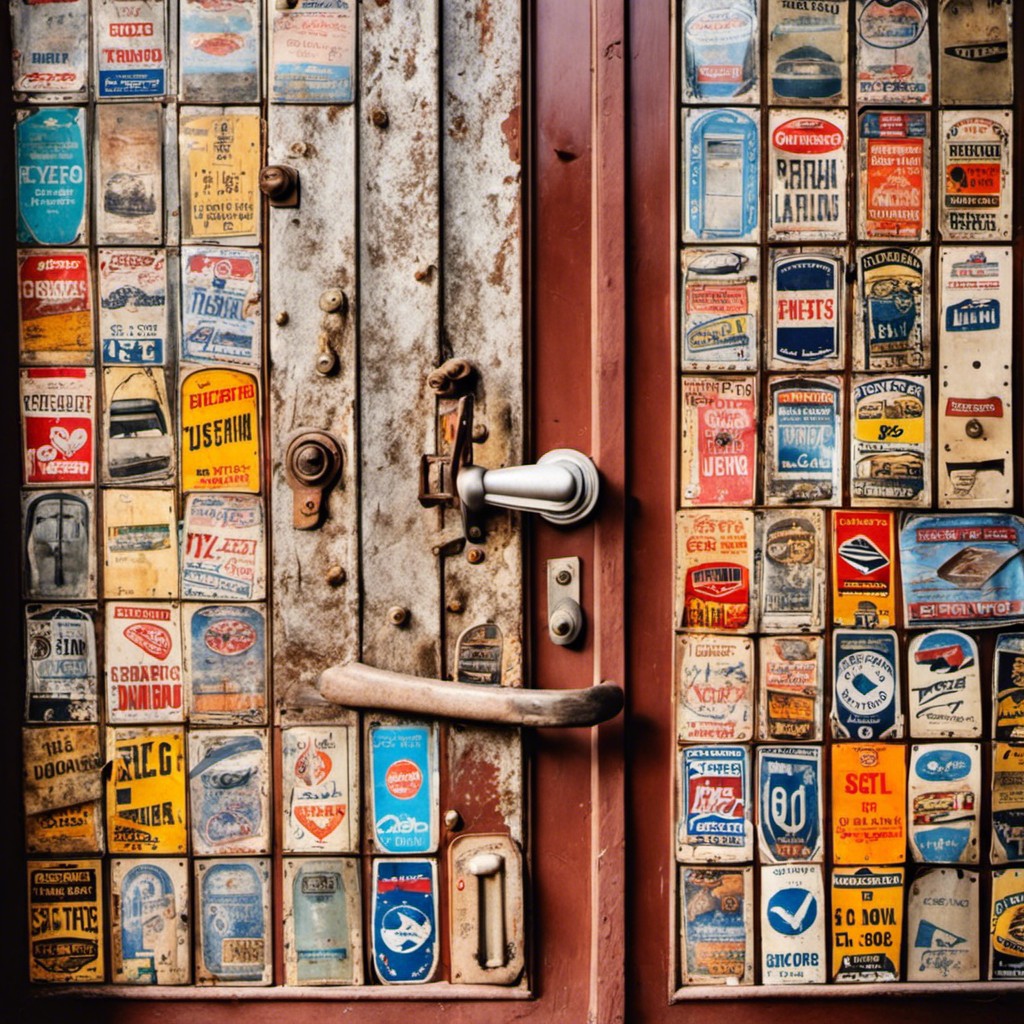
(223, 554)
(130, 49)
(975, 174)
(50, 49)
(140, 544)
(975, 51)
(219, 51)
(55, 308)
(138, 442)
(60, 767)
(59, 533)
(486, 778)
(791, 693)
(58, 423)
(716, 912)
(61, 673)
(77, 828)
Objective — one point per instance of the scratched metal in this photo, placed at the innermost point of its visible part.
(61, 766)
(486, 778)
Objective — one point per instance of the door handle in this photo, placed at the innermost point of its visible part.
(356, 685)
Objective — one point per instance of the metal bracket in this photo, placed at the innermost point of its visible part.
(565, 614)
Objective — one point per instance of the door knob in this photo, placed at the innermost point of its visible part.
(312, 464)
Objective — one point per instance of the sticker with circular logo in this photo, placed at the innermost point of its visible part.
(866, 704)
(402, 766)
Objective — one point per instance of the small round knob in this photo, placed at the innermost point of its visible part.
(973, 428)
(332, 300)
(398, 616)
(278, 182)
(326, 363)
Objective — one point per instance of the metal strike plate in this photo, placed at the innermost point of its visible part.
(312, 464)
(486, 873)
(565, 614)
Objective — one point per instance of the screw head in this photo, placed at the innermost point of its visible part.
(326, 363)
(480, 433)
(311, 461)
(332, 300)
(563, 577)
(475, 556)
(379, 117)
(452, 820)
(455, 606)
(398, 616)
(282, 318)
(561, 626)
(973, 428)
(335, 576)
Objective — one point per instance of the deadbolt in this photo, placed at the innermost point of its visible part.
(312, 463)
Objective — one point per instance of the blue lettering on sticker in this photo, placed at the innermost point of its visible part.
(806, 309)
(51, 176)
(404, 936)
(807, 431)
(866, 684)
(943, 845)
(232, 922)
(789, 792)
(312, 83)
(401, 765)
(721, 58)
(973, 315)
(132, 83)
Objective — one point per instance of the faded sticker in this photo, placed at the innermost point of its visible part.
(404, 940)
(65, 911)
(807, 49)
(1007, 953)
(142, 648)
(1007, 803)
(895, 176)
(793, 920)
(140, 544)
(808, 186)
(722, 175)
(894, 63)
(720, 43)
(976, 174)
(133, 307)
(229, 782)
(944, 685)
(221, 316)
(146, 791)
(226, 659)
(792, 584)
(863, 551)
(866, 685)
(60, 545)
(60, 766)
(942, 926)
(61, 677)
(720, 309)
(224, 557)
(129, 174)
(715, 571)
(962, 570)
(791, 691)
(323, 935)
(715, 810)
(1008, 687)
(718, 440)
(131, 49)
(55, 308)
(893, 315)
(233, 922)
(317, 774)
(945, 802)
(404, 795)
(717, 925)
(975, 51)
(50, 48)
(312, 52)
(480, 655)
(867, 923)
(803, 459)
(66, 830)
(806, 315)
(890, 443)
(149, 941)
(789, 804)
(869, 803)
(716, 689)
(219, 48)
(138, 430)
(58, 420)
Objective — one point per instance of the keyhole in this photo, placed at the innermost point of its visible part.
(310, 462)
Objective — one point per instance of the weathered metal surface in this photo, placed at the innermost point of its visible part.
(312, 51)
(133, 307)
(59, 531)
(223, 555)
(138, 441)
(975, 51)
(221, 308)
(142, 662)
(944, 685)
(480, 655)
(975, 174)
(229, 787)
(892, 315)
(944, 802)
(894, 63)
(792, 568)
(867, 923)
(66, 921)
(149, 921)
(234, 931)
(58, 424)
(50, 49)
(942, 926)
(869, 803)
(866, 685)
(790, 819)
(894, 194)
(320, 803)
(715, 677)
(715, 805)
(60, 766)
(1006, 956)
(323, 921)
(130, 49)
(721, 313)
(61, 672)
(55, 308)
(807, 52)
(791, 694)
(806, 310)
(140, 544)
(718, 440)
(146, 791)
(486, 778)
(1007, 803)
(404, 939)
(721, 47)
(75, 829)
(128, 174)
(793, 920)
(863, 579)
(219, 51)
(975, 429)
(807, 195)
(487, 911)
(717, 925)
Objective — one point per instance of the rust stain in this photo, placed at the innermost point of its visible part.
(458, 127)
(409, 66)
(485, 20)
(510, 128)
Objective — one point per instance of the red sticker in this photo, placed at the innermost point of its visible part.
(807, 135)
(230, 637)
(154, 640)
(403, 780)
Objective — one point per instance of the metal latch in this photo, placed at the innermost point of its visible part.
(312, 464)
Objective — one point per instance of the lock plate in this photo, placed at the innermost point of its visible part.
(312, 464)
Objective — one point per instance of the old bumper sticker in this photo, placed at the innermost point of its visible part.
(319, 807)
(944, 685)
(404, 939)
(791, 691)
(863, 550)
(58, 418)
(721, 310)
(229, 780)
(718, 440)
(1006, 960)
(131, 49)
(1008, 687)
(975, 174)
(716, 910)
(129, 174)
(138, 429)
(75, 829)
(150, 918)
(714, 805)
(404, 796)
(140, 544)
(893, 312)
(219, 47)
(806, 316)
(803, 457)
(716, 687)
(808, 187)
(146, 791)
(869, 803)
(789, 804)
(720, 44)
(55, 308)
(807, 49)
(1007, 803)
(224, 556)
(313, 52)
(890, 443)
(893, 60)
(60, 544)
(221, 316)
(867, 923)
(226, 663)
(60, 767)
(323, 935)
(975, 45)
(722, 175)
(866, 689)
(945, 802)
(233, 922)
(942, 926)
(962, 570)
(715, 571)
(133, 307)
(895, 176)
(143, 662)
(792, 584)
(65, 932)
(793, 920)
(50, 48)
(61, 673)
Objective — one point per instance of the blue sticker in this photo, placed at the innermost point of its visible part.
(401, 766)
(866, 685)
(806, 308)
(792, 911)
(803, 465)
(892, 283)
(943, 845)
(404, 937)
(724, 170)
(51, 176)
(716, 795)
(320, 915)
(943, 765)
(148, 912)
(234, 928)
(227, 789)
(973, 315)
(789, 787)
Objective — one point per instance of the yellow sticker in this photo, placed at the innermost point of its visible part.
(869, 803)
(66, 830)
(867, 923)
(1007, 953)
(65, 921)
(146, 791)
(220, 431)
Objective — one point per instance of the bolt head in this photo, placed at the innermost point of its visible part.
(480, 433)
(282, 318)
(563, 577)
(475, 556)
(311, 461)
(452, 820)
(455, 606)
(561, 627)
(335, 576)
(326, 362)
(398, 616)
